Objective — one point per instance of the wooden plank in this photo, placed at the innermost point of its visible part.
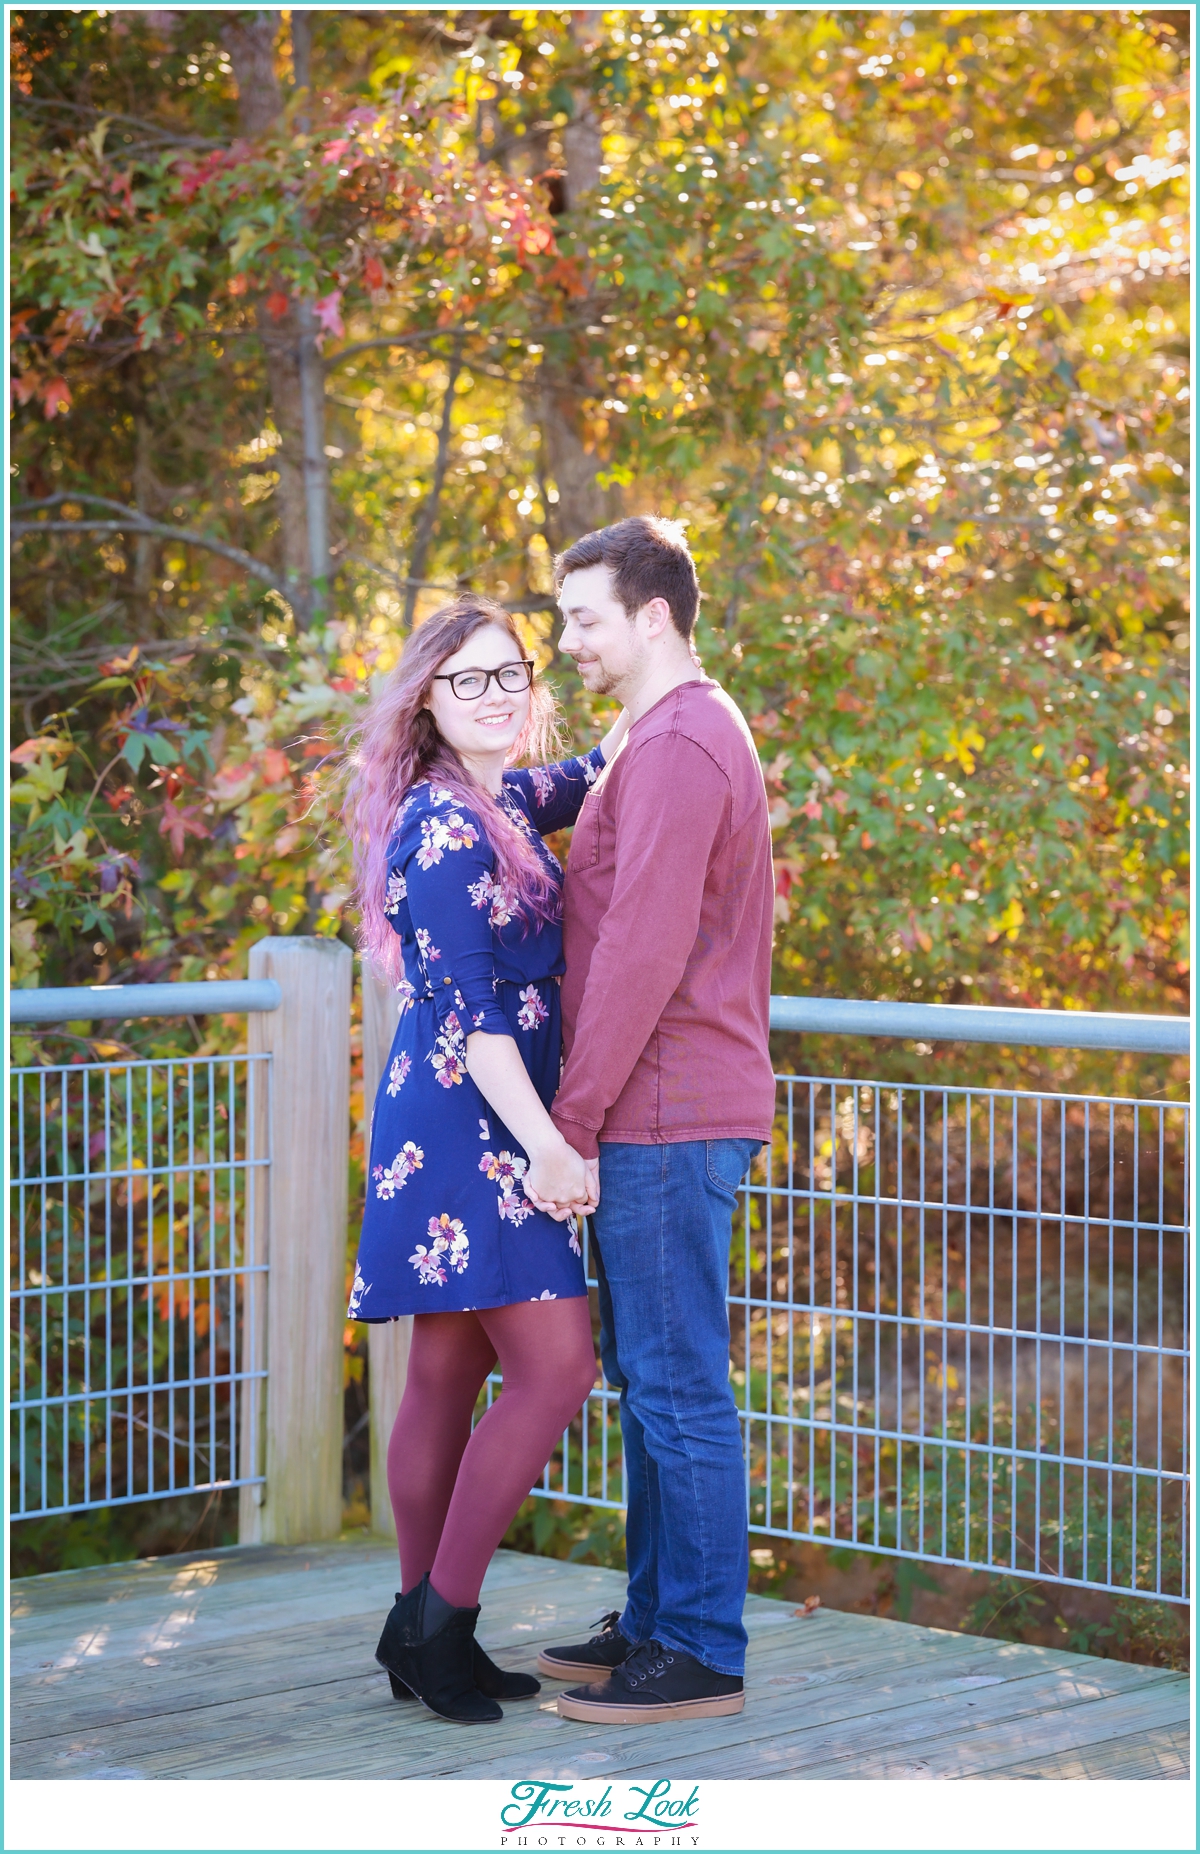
(1008, 1741)
(1163, 1755)
(408, 1742)
(273, 1676)
(838, 1728)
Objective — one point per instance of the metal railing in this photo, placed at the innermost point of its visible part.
(959, 1321)
(136, 1186)
(959, 1317)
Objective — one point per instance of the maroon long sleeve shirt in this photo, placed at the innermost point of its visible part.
(667, 936)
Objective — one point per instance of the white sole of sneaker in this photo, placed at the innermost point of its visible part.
(570, 1670)
(598, 1712)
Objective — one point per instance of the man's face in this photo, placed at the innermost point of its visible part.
(608, 646)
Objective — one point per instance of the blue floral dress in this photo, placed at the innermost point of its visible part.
(447, 1225)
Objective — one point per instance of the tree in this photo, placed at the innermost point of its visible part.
(890, 309)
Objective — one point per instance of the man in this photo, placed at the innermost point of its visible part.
(668, 1089)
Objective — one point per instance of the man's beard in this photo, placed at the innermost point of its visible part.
(598, 680)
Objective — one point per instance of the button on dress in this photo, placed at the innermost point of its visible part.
(447, 1226)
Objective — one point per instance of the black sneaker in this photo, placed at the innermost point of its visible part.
(590, 1660)
(655, 1683)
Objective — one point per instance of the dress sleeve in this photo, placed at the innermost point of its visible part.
(554, 795)
(451, 892)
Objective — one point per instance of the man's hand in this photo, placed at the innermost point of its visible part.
(556, 1180)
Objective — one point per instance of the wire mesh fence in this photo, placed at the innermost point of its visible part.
(137, 1188)
(959, 1333)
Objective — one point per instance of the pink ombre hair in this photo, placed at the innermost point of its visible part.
(399, 745)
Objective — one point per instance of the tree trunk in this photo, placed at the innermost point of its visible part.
(426, 520)
(316, 468)
(582, 505)
(250, 39)
(145, 548)
(295, 376)
(281, 348)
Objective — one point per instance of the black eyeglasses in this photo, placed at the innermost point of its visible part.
(470, 684)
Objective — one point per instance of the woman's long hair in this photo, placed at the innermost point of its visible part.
(399, 745)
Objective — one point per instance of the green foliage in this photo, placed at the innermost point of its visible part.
(117, 1534)
(1013, 1609)
(892, 311)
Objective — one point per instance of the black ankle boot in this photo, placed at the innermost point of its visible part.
(437, 1668)
(498, 1683)
(495, 1682)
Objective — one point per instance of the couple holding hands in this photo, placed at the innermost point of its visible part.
(597, 1050)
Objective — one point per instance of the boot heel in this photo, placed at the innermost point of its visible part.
(399, 1690)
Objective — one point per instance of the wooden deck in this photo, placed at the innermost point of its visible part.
(257, 1662)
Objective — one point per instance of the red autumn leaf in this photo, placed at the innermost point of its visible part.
(328, 313)
(566, 274)
(536, 238)
(277, 304)
(374, 274)
(57, 396)
(333, 152)
(275, 765)
(30, 749)
(26, 387)
(178, 822)
(812, 809)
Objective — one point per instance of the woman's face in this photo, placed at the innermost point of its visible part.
(485, 727)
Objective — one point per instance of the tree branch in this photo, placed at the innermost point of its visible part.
(169, 138)
(425, 337)
(134, 522)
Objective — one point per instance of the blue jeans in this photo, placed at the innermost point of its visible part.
(662, 1235)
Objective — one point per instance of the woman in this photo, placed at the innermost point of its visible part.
(471, 1189)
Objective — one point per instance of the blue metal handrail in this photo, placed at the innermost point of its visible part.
(82, 1003)
(955, 1023)
(985, 1023)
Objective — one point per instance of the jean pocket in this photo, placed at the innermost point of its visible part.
(728, 1162)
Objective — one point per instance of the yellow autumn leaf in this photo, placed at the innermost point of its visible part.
(964, 746)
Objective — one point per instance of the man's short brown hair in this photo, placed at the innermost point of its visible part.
(648, 558)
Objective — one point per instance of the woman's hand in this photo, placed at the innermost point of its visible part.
(557, 1181)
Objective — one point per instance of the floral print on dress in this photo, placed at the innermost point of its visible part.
(449, 833)
(392, 1178)
(448, 1055)
(425, 942)
(358, 1294)
(507, 1169)
(490, 894)
(441, 879)
(543, 784)
(448, 1239)
(532, 1012)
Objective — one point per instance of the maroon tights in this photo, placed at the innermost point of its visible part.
(456, 1491)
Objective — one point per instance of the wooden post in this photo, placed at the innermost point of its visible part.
(387, 1345)
(308, 1115)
